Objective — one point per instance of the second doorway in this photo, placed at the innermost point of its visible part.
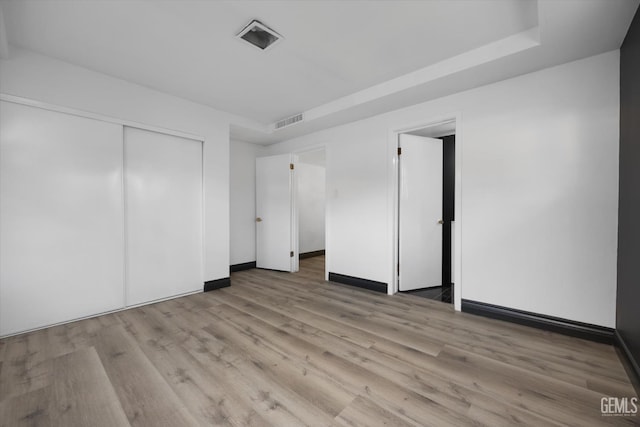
(426, 211)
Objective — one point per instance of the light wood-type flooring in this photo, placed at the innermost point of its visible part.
(279, 349)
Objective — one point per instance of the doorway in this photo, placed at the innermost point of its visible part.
(426, 211)
(291, 210)
(310, 174)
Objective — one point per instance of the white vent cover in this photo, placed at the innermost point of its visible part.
(289, 121)
(259, 35)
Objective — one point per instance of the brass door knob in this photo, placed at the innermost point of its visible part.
(440, 221)
(258, 219)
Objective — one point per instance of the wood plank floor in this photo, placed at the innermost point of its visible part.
(291, 349)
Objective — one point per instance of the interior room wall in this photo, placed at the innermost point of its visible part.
(538, 217)
(628, 314)
(311, 207)
(30, 75)
(242, 201)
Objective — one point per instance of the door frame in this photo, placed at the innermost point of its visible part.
(295, 153)
(394, 200)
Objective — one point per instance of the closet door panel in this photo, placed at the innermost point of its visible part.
(163, 197)
(61, 217)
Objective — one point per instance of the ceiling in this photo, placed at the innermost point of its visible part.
(339, 60)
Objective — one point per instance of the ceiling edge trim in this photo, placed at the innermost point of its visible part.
(490, 52)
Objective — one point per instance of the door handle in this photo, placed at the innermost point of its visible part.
(440, 221)
(258, 219)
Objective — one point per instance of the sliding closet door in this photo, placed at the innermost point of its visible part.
(61, 217)
(163, 196)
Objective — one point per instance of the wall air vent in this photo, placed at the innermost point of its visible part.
(289, 121)
(259, 35)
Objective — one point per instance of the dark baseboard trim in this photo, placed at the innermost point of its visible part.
(243, 266)
(217, 284)
(628, 361)
(311, 254)
(540, 321)
(371, 285)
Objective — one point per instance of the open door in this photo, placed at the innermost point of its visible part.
(420, 216)
(276, 237)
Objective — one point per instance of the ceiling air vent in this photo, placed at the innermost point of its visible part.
(259, 35)
(289, 121)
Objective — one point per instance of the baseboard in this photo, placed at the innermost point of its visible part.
(311, 254)
(628, 361)
(371, 285)
(243, 266)
(217, 284)
(541, 321)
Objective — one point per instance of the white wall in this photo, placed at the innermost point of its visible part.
(311, 206)
(539, 189)
(37, 77)
(242, 199)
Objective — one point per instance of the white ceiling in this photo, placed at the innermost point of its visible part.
(339, 60)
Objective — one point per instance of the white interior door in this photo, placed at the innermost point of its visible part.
(163, 195)
(275, 246)
(61, 217)
(420, 245)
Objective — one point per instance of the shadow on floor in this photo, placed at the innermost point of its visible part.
(438, 293)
